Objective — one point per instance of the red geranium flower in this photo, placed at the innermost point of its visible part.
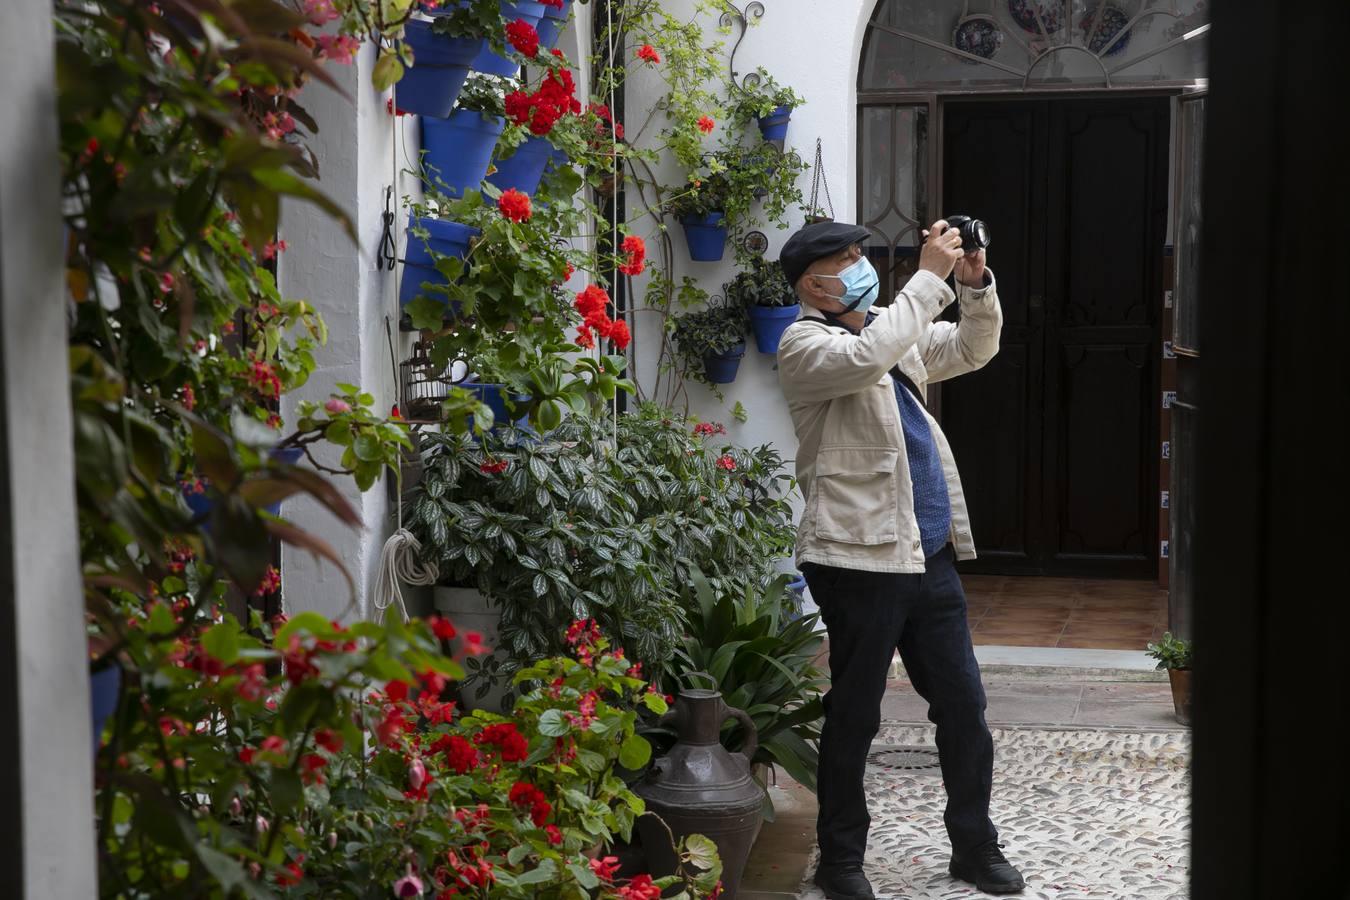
(328, 740)
(523, 37)
(442, 628)
(637, 255)
(515, 205)
(706, 124)
(648, 53)
(640, 888)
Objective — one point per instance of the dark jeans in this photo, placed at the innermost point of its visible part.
(868, 616)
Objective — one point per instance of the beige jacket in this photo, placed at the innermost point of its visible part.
(851, 462)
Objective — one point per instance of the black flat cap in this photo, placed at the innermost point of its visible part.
(811, 242)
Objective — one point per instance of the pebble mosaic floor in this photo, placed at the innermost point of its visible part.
(1085, 814)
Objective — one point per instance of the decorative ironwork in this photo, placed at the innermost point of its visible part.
(1104, 32)
(734, 15)
(756, 242)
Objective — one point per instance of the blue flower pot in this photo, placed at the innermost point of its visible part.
(552, 25)
(458, 149)
(798, 587)
(494, 395)
(105, 686)
(774, 126)
(558, 159)
(440, 65)
(446, 238)
(494, 63)
(769, 323)
(721, 367)
(706, 236)
(523, 169)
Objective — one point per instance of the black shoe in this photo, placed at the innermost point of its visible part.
(845, 882)
(987, 868)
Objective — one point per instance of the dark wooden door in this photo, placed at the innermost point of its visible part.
(1057, 437)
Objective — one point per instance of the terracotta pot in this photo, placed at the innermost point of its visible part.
(1181, 694)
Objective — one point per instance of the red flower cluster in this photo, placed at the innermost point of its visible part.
(311, 768)
(263, 379)
(706, 124)
(328, 740)
(592, 303)
(640, 888)
(585, 713)
(515, 205)
(556, 4)
(637, 255)
(270, 584)
(583, 635)
(605, 868)
(523, 37)
(706, 429)
(470, 874)
(460, 755)
(606, 120)
(442, 628)
(648, 53)
(555, 836)
(542, 109)
(291, 873)
(504, 736)
(299, 661)
(726, 462)
(495, 467)
(525, 794)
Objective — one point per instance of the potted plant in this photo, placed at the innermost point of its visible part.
(701, 210)
(429, 240)
(442, 53)
(457, 150)
(553, 22)
(1174, 655)
(768, 103)
(494, 63)
(711, 341)
(753, 649)
(768, 299)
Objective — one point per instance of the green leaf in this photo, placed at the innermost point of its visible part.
(388, 70)
(702, 851)
(552, 724)
(226, 870)
(368, 448)
(287, 792)
(635, 752)
(584, 876)
(221, 640)
(545, 871)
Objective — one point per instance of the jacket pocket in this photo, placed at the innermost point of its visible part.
(856, 495)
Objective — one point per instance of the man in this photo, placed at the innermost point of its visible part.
(883, 525)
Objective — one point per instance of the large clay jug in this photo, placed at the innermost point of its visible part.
(700, 787)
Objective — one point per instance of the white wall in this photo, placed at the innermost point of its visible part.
(361, 149)
(814, 48)
(355, 152)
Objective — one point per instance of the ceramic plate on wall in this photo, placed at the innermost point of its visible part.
(979, 36)
(1024, 13)
(1112, 22)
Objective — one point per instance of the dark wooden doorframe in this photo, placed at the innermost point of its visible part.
(1039, 519)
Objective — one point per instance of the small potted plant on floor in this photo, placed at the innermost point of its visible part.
(770, 301)
(1174, 655)
(711, 341)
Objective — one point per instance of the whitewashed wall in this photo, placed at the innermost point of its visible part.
(361, 149)
(814, 48)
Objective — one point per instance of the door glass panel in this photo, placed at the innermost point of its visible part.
(1191, 143)
(893, 190)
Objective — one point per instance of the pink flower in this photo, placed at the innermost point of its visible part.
(320, 12)
(336, 406)
(409, 885)
(166, 282)
(417, 773)
(341, 48)
(726, 462)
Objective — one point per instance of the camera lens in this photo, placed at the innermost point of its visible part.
(975, 236)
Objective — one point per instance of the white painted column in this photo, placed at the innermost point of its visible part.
(355, 153)
(46, 772)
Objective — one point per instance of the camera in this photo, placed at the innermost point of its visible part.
(974, 233)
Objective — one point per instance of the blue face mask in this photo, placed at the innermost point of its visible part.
(860, 282)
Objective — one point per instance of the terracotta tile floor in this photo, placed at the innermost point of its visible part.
(1065, 612)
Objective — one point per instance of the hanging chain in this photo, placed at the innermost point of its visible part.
(818, 181)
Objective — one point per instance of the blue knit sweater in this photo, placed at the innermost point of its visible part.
(932, 505)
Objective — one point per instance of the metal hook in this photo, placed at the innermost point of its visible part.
(388, 249)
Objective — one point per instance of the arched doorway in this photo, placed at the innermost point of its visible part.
(1052, 122)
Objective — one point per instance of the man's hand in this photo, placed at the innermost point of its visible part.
(941, 250)
(970, 269)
